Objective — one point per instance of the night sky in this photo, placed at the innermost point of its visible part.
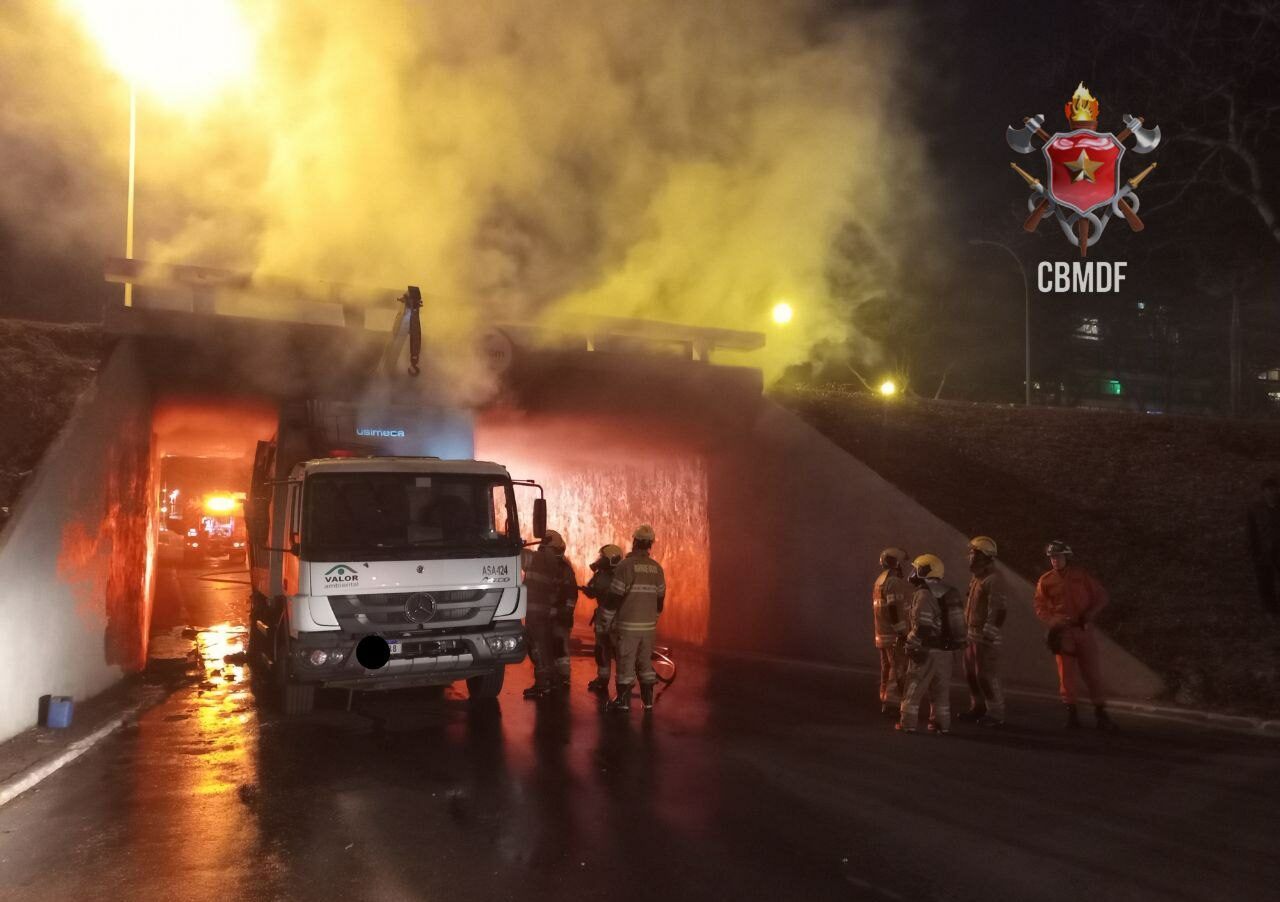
(972, 69)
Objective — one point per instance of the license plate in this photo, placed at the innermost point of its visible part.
(394, 645)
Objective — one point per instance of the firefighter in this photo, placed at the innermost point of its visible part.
(606, 607)
(640, 588)
(1068, 599)
(984, 614)
(890, 600)
(553, 589)
(937, 630)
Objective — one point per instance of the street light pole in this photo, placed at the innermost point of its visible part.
(1026, 302)
(133, 157)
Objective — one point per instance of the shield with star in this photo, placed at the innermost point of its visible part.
(1084, 169)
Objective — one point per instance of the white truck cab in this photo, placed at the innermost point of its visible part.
(378, 572)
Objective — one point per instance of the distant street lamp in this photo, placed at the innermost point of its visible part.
(182, 51)
(1026, 300)
(888, 388)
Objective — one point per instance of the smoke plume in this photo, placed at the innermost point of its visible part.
(690, 162)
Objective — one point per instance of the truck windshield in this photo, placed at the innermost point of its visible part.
(408, 516)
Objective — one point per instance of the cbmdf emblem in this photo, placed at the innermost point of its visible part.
(1083, 189)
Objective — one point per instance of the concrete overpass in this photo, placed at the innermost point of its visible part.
(769, 533)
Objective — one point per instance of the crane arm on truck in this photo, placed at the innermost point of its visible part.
(408, 324)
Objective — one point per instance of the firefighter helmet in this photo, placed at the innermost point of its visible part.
(644, 533)
(1057, 546)
(612, 554)
(984, 544)
(892, 557)
(554, 541)
(929, 565)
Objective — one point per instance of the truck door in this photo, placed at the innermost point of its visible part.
(257, 511)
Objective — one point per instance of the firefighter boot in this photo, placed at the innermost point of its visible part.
(1073, 718)
(599, 685)
(1103, 720)
(646, 695)
(538, 690)
(623, 701)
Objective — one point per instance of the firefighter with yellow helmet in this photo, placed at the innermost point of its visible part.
(985, 610)
(937, 630)
(640, 588)
(597, 588)
(890, 599)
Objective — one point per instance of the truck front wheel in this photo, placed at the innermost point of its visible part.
(295, 699)
(487, 685)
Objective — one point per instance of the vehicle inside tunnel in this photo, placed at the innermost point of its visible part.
(203, 457)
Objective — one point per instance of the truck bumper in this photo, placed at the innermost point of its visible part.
(463, 655)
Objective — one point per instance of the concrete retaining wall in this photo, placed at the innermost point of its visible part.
(796, 527)
(75, 558)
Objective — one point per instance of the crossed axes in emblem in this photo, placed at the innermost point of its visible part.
(1082, 230)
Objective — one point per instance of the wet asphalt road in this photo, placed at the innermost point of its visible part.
(743, 784)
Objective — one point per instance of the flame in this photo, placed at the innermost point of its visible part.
(1083, 106)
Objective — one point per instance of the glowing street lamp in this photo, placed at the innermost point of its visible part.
(182, 51)
(888, 388)
(782, 313)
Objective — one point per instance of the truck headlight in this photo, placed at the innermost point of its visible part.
(504, 644)
(318, 657)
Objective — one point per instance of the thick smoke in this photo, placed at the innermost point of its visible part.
(692, 162)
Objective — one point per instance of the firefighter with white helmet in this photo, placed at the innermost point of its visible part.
(937, 630)
(552, 593)
(890, 599)
(597, 588)
(1068, 599)
(640, 588)
(985, 610)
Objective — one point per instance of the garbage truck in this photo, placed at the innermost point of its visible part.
(382, 555)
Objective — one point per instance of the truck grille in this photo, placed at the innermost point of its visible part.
(445, 609)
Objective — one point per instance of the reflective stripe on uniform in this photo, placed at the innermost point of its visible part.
(627, 627)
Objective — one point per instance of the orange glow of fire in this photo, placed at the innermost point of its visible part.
(220, 504)
(211, 427)
(598, 491)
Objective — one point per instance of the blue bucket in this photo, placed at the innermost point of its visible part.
(60, 709)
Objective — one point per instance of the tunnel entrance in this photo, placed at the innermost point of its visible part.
(202, 457)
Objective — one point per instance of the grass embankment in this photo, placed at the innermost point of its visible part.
(1154, 506)
(43, 369)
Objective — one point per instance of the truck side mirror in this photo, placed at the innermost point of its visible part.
(295, 543)
(539, 517)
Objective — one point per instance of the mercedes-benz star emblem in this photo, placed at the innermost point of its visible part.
(420, 608)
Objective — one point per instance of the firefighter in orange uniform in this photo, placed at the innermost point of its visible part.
(985, 610)
(1068, 599)
(890, 600)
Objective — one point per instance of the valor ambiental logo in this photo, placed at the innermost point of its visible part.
(341, 574)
